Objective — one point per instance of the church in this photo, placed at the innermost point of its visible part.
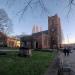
(48, 39)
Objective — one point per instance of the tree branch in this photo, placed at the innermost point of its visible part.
(25, 8)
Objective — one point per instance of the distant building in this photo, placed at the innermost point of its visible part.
(13, 42)
(72, 45)
(6, 41)
(51, 38)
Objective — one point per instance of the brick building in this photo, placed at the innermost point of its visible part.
(40, 39)
(36, 40)
(54, 32)
(6, 41)
(13, 42)
(51, 38)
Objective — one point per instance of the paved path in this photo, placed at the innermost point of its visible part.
(69, 61)
(9, 50)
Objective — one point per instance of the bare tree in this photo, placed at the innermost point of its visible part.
(5, 22)
(29, 4)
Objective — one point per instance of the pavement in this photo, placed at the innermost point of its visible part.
(8, 49)
(68, 62)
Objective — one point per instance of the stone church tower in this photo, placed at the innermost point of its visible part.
(54, 32)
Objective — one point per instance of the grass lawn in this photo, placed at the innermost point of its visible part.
(12, 64)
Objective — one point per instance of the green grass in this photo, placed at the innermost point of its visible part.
(11, 64)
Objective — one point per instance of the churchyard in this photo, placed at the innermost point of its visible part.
(37, 64)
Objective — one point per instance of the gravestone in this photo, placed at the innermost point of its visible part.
(25, 51)
(25, 46)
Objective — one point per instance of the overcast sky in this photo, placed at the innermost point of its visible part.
(36, 16)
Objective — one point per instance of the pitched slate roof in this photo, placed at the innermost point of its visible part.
(39, 33)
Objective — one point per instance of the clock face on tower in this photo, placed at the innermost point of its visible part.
(53, 29)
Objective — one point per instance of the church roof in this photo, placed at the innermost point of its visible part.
(39, 33)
